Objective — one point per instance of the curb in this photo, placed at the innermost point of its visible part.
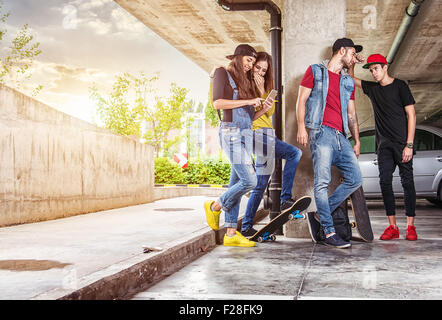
(125, 279)
(120, 280)
(192, 185)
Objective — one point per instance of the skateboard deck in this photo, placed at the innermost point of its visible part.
(360, 214)
(266, 233)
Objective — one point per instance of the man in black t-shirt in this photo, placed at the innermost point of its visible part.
(395, 122)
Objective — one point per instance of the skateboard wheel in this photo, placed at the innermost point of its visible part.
(297, 216)
(273, 238)
(260, 239)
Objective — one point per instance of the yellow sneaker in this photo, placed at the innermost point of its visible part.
(237, 240)
(212, 217)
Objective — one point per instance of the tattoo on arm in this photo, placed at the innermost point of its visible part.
(353, 125)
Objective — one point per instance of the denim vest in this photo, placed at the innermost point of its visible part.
(242, 117)
(315, 104)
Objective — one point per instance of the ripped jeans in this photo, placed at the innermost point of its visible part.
(237, 144)
(330, 147)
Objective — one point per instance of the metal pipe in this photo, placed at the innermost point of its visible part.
(410, 12)
(275, 51)
(269, 6)
(276, 179)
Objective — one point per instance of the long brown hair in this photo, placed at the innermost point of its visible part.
(242, 80)
(268, 78)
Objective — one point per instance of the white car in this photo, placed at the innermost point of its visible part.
(427, 165)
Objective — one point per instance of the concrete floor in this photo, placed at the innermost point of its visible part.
(36, 258)
(299, 269)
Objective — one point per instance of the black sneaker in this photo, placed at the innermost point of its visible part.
(287, 205)
(249, 232)
(337, 242)
(314, 227)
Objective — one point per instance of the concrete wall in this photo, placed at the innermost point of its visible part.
(309, 30)
(54, 165)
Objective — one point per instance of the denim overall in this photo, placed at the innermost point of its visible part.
(236, 140)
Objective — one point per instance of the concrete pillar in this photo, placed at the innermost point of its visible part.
(309, 30)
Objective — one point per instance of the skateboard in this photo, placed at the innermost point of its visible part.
(267, 233)
(360, 214)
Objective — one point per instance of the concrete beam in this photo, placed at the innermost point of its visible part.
(201, 29)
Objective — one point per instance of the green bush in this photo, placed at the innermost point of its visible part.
(167, 171)
(207, 171)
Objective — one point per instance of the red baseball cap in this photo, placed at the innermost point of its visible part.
(374, 58)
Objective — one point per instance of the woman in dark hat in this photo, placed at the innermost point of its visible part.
(234, 94)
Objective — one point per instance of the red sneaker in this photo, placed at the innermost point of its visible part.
(411, 233)
(390, 233)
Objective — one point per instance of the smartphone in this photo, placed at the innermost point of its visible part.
(272, 95)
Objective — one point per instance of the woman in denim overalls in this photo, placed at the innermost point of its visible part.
(234, 94)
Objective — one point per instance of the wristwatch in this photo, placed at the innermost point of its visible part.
(410, 145)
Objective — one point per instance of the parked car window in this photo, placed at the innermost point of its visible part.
(367, 141)
(423, 140)
(437, 143)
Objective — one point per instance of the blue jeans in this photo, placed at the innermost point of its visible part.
(237, 145)
(272, 147)
(330, 147)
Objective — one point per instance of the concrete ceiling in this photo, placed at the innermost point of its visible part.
(201, 29)
(205, 33)
(419, 60)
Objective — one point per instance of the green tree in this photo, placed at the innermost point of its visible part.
(15, 66)
(132, 109)
(200, 108)
(211, 114)
(119, 110)
(165, 115)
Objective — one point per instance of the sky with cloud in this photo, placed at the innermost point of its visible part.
(87, 42)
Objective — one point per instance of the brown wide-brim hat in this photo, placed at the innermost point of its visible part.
(243, 50)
